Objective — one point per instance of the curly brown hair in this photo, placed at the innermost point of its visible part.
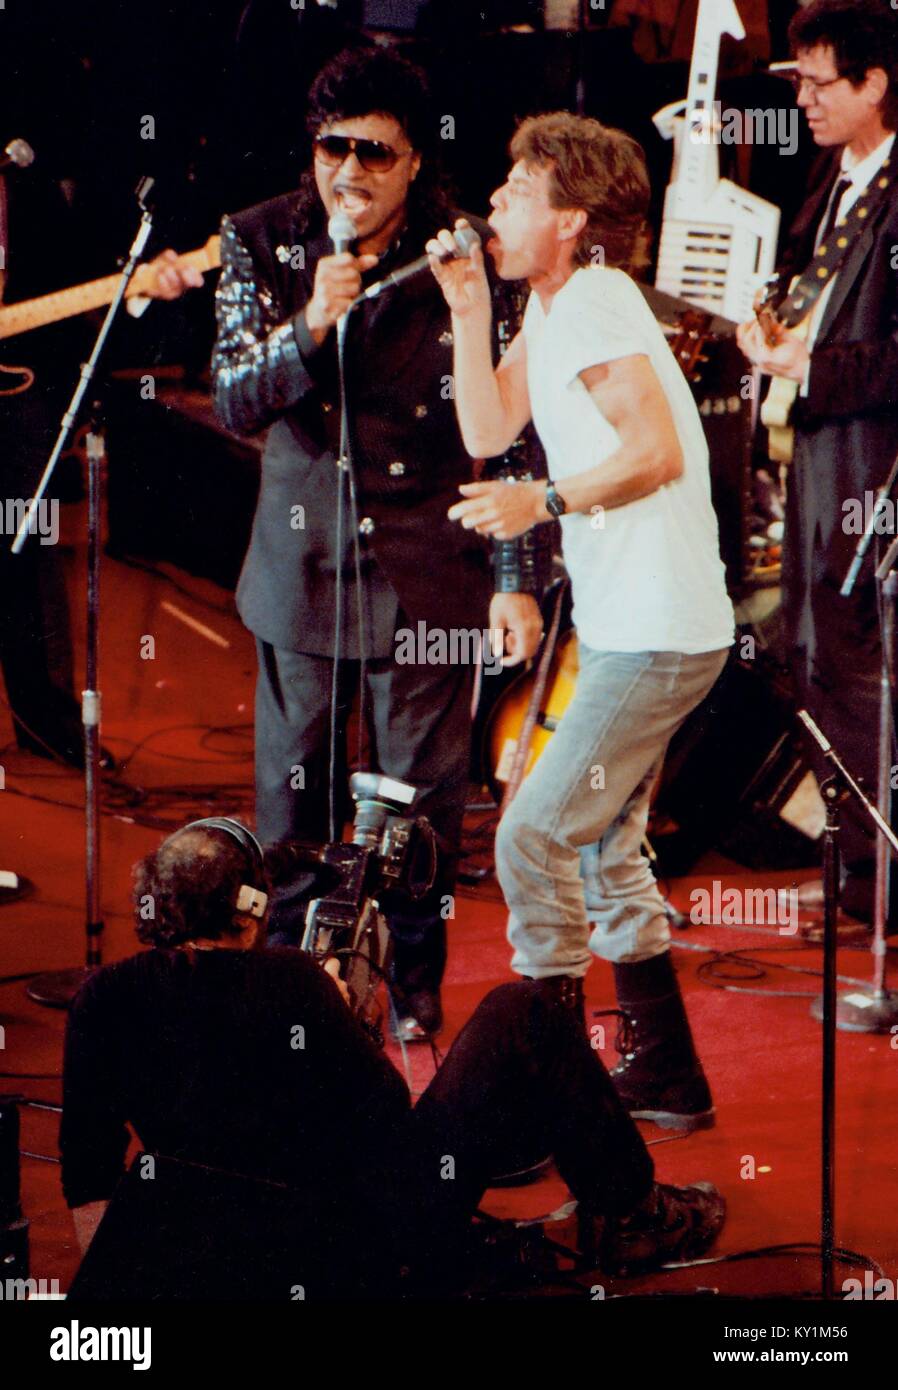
(598, 169)
(186, 889)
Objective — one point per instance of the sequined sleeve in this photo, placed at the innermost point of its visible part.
(258, 370)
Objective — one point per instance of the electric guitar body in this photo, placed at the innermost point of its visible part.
(509, 717)
(776, 412)
(63, 304)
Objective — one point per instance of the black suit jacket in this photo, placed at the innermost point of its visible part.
(408, 455)
(846, 427)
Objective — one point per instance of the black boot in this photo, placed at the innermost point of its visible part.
(673, 1223)
(416, 973)
(660, 1077)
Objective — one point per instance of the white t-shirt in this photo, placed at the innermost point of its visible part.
(646, 576)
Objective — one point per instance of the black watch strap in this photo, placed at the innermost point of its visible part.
(555, 503)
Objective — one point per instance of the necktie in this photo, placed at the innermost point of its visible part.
(835, 201)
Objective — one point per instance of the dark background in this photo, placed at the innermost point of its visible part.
(226, 86)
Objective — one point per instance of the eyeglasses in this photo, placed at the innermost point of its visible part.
(373, 155)
(799, 82)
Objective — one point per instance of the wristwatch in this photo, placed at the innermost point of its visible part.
(555, 503)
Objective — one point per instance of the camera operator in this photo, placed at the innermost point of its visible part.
(193, 1044)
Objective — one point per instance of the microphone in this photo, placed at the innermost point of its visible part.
(465, 241)
(342, 231)
(17, 152)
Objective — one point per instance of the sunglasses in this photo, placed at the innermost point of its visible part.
(373, 155)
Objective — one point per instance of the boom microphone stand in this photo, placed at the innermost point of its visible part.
(875, 1009)
(57, 989)
(836, 789)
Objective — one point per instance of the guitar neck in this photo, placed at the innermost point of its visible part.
(64, 304)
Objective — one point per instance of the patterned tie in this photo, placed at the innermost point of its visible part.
(835, 203)
(842, 234)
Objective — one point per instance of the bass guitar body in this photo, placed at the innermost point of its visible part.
(509, 715)
(776, 411)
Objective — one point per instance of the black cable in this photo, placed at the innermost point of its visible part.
(209, 730)
(840, 1253)
(123, 801)
(570, 1279)
(757, 969)
(180, 757)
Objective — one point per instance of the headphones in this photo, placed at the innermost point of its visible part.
(250, 899)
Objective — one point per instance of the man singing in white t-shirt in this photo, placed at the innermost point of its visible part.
(629, 482)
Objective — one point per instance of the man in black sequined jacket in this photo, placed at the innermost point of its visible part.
(281, 293)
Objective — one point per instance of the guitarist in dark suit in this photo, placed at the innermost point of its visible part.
(275, 365)
(846, 412)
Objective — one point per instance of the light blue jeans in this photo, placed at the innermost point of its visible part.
(568, 854)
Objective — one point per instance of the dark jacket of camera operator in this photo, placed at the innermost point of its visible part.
(219, 1053)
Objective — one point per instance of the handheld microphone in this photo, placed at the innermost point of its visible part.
(342, 231)
(17, 152)
(465, 241)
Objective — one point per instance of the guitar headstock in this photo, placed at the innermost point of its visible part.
(766, 306)
(690, 340)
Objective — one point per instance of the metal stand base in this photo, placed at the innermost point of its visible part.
(14, 886)
(57, 988)
(862, 1011)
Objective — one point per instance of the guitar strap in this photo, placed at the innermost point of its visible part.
(835, 249)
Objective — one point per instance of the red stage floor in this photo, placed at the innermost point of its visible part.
(762, 1053)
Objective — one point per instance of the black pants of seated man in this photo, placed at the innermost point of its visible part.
(520, 1078)
(419, 720)
(398, 1223)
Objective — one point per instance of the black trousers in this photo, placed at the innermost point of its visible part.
(521, 1067)
(520, 1078)
(419, 723)
(835, 657)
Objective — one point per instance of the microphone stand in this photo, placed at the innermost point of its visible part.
(875, 1009)
(57, 988)
(344, 474)
(836, 789)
